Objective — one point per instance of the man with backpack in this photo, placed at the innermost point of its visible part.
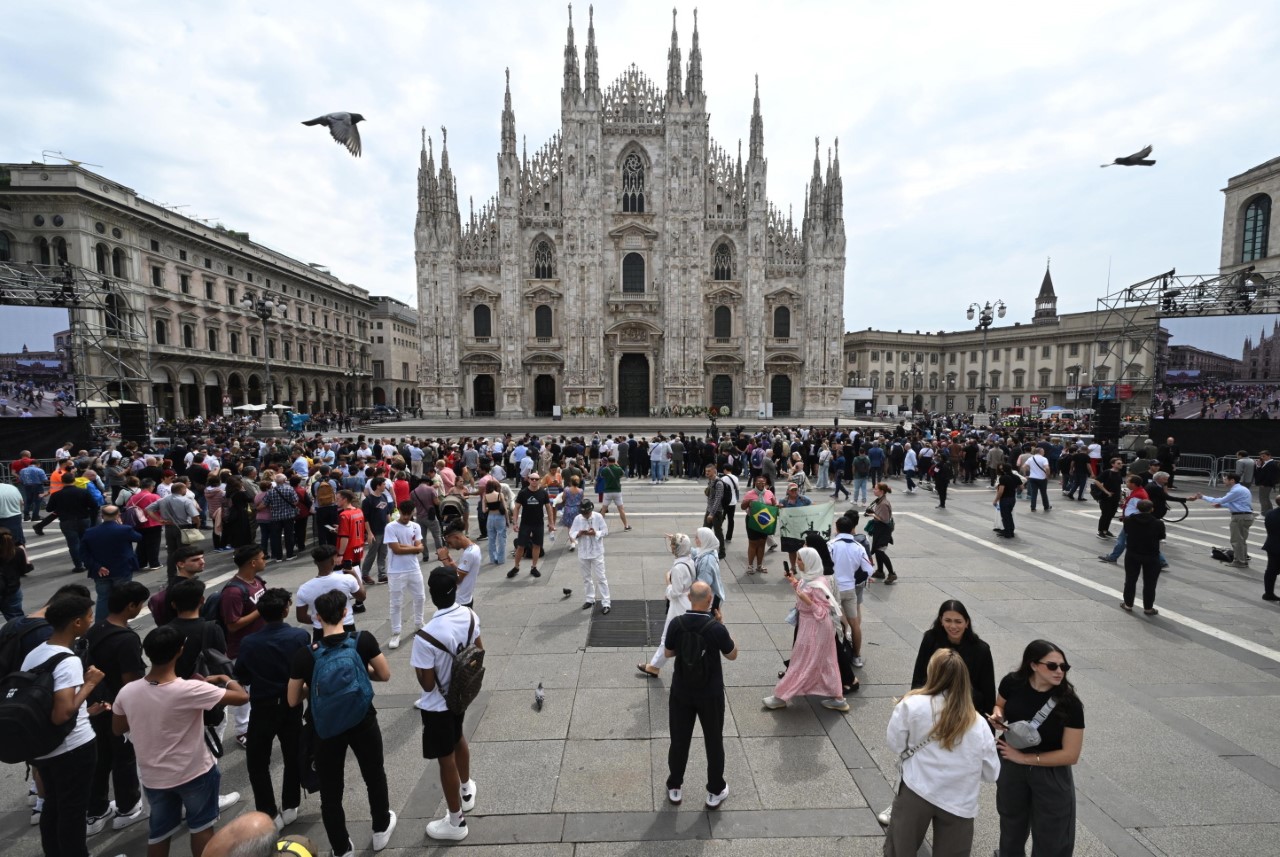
(189, 562)
(426, 511)
(324, 490)
(44, 720)
(334, 677)
(115, 649)
(326, 580)
(719, 502)
(450, 637)
(263, 668)
(696, 641)
(235, 608)
(164, 718)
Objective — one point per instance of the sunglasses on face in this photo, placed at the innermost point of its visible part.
(1054, 666)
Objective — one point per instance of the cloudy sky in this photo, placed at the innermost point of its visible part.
(970, 134)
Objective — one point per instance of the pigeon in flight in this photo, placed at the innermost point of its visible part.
(343, 128)
(1137, 159)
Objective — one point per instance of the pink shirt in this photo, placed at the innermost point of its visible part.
(166, 726)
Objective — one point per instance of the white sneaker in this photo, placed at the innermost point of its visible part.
(394, 642)
(228, 800)
(675, 796)
(468, 790)
(714, 801)
(95, 824)
(124, 819)
(885, 816)
(774, 702)
(858, 662)
(835, 704)
(380, 840)
(288, 816)
(443, 828)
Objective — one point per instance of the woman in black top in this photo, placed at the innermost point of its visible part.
(1106, 489)
(237, 516)
(1008, 484)
(1036, 794)
(953, 630)
(14, 565)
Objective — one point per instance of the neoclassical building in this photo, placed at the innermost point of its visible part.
(631, 262)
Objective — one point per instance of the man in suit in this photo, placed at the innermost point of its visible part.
(1271, 547)
(107, 552)
(1266, 474)
(1168, 454)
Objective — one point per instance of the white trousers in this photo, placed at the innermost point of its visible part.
(397, 582)
(660, 654)
(593, 580)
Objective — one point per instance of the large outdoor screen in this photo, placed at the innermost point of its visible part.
(1221, 368)
(37, 367)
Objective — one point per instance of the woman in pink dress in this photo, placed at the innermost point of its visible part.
(814, 670)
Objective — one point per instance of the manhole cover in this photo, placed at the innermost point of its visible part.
(629, 623)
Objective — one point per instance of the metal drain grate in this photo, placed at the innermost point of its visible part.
(629, 623)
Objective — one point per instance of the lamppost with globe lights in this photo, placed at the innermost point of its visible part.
(987, 314)
(266, 307)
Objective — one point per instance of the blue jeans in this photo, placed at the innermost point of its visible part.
(859, 489)
(1118, 548)
(103, 587)
(198, 797)
(31, 502)
(14, 526)
(72, 530)
(910, 474)
(658, 471)
(497, 530)
(11, 605)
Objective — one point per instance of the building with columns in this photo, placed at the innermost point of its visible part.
(173, 333)
(1054, 359)
(630, 263)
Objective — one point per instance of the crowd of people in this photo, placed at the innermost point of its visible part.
(365, 506)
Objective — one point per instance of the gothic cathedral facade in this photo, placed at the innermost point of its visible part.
(630, 264)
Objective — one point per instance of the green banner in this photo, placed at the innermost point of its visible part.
(794, 521)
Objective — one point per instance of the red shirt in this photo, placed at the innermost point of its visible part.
(401, 489)
(351, 527)
(21, 463)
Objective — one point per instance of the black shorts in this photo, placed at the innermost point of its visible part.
(528, 536)
(441, 732)
(756, 536)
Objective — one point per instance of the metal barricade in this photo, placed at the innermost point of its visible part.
(1226, 464)
(1196, 464)
(7, 473)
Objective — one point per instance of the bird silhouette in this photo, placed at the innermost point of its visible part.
(538, 697)
(567, 592)
(1137, 159)
(342, 126)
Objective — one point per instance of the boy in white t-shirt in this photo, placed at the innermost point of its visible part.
(403, 538)
(326, 580)
(468, 565)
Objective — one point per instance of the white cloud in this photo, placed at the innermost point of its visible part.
(970, 134)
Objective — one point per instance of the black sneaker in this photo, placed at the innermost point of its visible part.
(38, 530)
(534, 571)
(513, 572)
(1270, 596)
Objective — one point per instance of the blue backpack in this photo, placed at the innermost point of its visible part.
(340, 688)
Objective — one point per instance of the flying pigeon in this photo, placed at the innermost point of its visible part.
(343, 128)
(1137, 159)
(538, 697)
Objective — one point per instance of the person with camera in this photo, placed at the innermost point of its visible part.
(1042, 724)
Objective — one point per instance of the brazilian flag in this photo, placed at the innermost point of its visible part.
(762, 518)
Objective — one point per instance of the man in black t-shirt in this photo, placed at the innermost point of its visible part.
(375, 507)
(702, 700)
(530, 522)
(116, 649)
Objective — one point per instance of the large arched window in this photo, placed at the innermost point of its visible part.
(60, 249)
(723, 323)
(117, 263)
(6, 248)
(42, 251)
(633, 273)
(542, 327)
(1257, 221)
(782, 323)
(722, 261)
(101, 258)
(633, 184)
(162, 332)
(482, 322)
(188, 336)
(212, 337)
(544, 261)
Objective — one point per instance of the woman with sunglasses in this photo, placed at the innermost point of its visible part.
(1036, 794)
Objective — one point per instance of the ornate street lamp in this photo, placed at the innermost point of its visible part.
(987, 314)
(266, 307)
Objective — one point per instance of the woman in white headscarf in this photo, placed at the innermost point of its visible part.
(814, 670)
(681, 576)
(706, 559)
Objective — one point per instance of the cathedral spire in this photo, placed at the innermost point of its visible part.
(572, 89)
(673, 63)
(508, 121)
(835, 190)
(814, 210)
(592, 79)
(693, 89)
(1046, 300)
(757, 129)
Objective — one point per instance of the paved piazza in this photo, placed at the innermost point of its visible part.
(1181, 752)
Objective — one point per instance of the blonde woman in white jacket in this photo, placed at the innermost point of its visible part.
(946, 751)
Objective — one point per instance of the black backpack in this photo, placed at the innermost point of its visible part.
(211, 610)
(727, 498)
(27, 730)
(12, 650)
(691, 663)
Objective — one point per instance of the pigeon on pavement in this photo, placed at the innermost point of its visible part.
(1137, 159)
(538, 697)
(343, 128)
